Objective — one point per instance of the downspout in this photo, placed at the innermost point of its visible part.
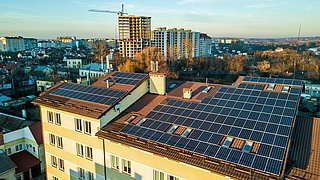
(104, 160)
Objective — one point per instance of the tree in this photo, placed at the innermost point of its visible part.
(101, 51)
(235, 63)
(127, 66)
(263, 66)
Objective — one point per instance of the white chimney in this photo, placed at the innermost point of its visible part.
(102, 63)
(187, 93)
(107, 83)
(108, 57)
(24, 113)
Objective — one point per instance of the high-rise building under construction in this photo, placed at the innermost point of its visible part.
(134, 34)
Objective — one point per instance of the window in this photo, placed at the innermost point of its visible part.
(59, 142)
(52, 139)
(247, 146)
(186, 132)
(50, 116)
(79, 150)
(53, 161)
(9, 150)
(81, 173)
(115, 162)
(58, 119)
(90, 176)
(271, 87)
(78, 124)
(170, 177)
(285, 89)
(87, 127)
(227, 142)
(172, 129)
(89, 153)
(61, 164)
(126, 166)
(34, 149)
(158, 175)
(17, 148)
(54, 178)
(20, 147)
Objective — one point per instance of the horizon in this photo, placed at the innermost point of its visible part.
(243, 19)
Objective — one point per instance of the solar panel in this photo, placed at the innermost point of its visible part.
(273, 80)
(89, 93)
(254, 115)
(126, 78)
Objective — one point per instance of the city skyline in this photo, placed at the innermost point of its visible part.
(217, 18)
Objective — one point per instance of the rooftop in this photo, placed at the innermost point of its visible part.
(91, 101)
(24, 161)
(241, 131)
(5, 163)
(304, 155)
(36, 130)
(93, 67)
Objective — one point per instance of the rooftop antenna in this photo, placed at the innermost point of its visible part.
(294, 61)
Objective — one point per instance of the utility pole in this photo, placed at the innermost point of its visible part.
(297, 49)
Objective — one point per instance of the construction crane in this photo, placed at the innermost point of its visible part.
(120, 13)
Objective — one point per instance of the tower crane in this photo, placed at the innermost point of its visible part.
(120, 13)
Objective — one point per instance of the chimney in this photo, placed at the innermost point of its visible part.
(24, 113)
(102, 63)
(187, 93)
(107, 83)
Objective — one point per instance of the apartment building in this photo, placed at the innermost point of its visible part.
(134, 34)
(15, 44)
(131, 126)
(21, 141)
(176, 43)
(71, 116)
(205, 45)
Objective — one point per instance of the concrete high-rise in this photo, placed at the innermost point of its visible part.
(176, 43)
(134, 34)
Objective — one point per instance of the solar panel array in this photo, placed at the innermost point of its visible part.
(246, 112)
(127, 78)
(273, 80)
(89, 93)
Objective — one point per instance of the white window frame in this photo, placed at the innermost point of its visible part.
(126, 166)
(59, 142)
(54, 162)
(90, 175)
(87, 127)
(80, 149)
(89, 153)
(171, 176)
(50, 116)
(57, 119)
(78, 124)
(52, 139)
(61, 164)
(115, 162)
(158, 175)
(81, 173)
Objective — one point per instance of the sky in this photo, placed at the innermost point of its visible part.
(218, 18)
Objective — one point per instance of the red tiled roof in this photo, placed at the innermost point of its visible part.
(305, 149)
(36, 130)
(24, 161)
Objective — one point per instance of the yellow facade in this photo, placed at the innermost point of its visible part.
(163, 164)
